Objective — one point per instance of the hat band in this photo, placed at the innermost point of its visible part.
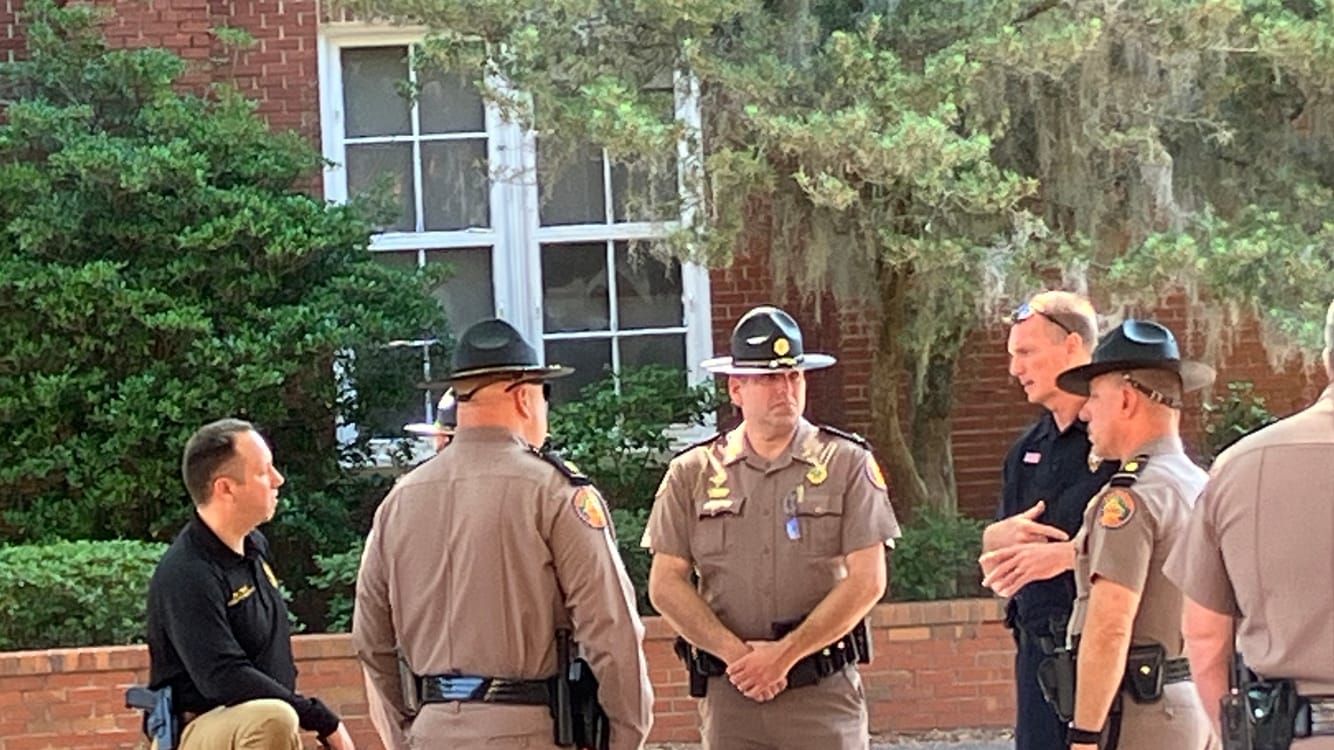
(770, 364)
(1155, 396)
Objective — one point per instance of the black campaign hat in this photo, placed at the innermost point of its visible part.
(494, 347)
(1137, 345)
(766, 340)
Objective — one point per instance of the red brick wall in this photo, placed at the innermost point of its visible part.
(279, 71)
(937, 665)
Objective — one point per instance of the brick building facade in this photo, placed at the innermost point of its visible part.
(287, 71)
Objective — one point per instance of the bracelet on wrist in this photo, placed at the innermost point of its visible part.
(1079, 736)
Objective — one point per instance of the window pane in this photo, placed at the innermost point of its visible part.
(368, 164)
(638, 195)
(648, 291)
(575, 193)
(449, 103)
(455, 185)
(467, 295)
(574, 288)
(372, 102)
(668, 350)
(590, 358)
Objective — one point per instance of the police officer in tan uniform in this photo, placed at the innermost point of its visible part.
(785, 524)
(1257, 554)
(479, 555)
(387, 722)
(1126, 624)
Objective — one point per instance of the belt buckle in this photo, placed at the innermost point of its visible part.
(461, 688)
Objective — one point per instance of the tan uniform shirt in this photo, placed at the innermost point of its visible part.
(768, 538)
(1126, 536)
(474, 560)
(1260, 546)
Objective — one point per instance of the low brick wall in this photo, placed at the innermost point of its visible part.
(937, 665)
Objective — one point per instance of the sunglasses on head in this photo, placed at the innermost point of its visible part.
(1026, 311)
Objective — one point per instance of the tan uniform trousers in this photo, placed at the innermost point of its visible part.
(1178, 722)
(386, 720)
(830, 715)
(264, 724)
(474, 726)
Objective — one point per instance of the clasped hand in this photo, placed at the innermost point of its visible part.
(761, 674)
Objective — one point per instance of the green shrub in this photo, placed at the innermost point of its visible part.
(1231, 417)
(74, 593)
(163, 265)
(617, 431)
(936, 558)
(337, 578)
(629, 530)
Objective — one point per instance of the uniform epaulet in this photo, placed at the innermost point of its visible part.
(854, 437)
(571, 472)
(700, 443)
(1129, 471)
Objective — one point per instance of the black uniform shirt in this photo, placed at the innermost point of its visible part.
(1049, 464)
(217, 628)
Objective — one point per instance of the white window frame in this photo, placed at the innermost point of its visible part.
(515, 235)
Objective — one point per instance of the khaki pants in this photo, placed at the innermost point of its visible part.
(264, 724)
(830, 715)
(1178, 722)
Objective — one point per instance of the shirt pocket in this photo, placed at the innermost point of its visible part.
(820, 517)
(716, 520)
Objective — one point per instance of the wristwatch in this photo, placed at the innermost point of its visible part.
(1083, 736)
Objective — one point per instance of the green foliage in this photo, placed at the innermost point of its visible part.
(337, 577)
(630, 525)
(74, 593)
(1231, 417)
(939, 158)
(161, 266)
(618, 431)
(936, 558)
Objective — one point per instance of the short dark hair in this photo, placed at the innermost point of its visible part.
(206, 452)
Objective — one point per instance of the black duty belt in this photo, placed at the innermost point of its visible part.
(462, 688)
(1176, 670)
(809, 670)
(1319, 721)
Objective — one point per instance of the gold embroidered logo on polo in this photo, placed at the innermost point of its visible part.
(240, 595)
(273, 579)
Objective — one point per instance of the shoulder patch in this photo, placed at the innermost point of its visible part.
(1116, 509)
(876, 476)
(700, 443)
(569, 470)
(852, 436)
(1129, 471)
(588, 505)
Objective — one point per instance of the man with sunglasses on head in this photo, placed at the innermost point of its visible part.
(479, 556)
(1048, 477)
(785, 525)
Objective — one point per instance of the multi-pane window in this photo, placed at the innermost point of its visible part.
(557, 252)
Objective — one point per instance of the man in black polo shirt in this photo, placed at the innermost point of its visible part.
(217, 624)
(1048, 479)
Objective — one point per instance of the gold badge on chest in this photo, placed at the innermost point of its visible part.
(817, 474)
